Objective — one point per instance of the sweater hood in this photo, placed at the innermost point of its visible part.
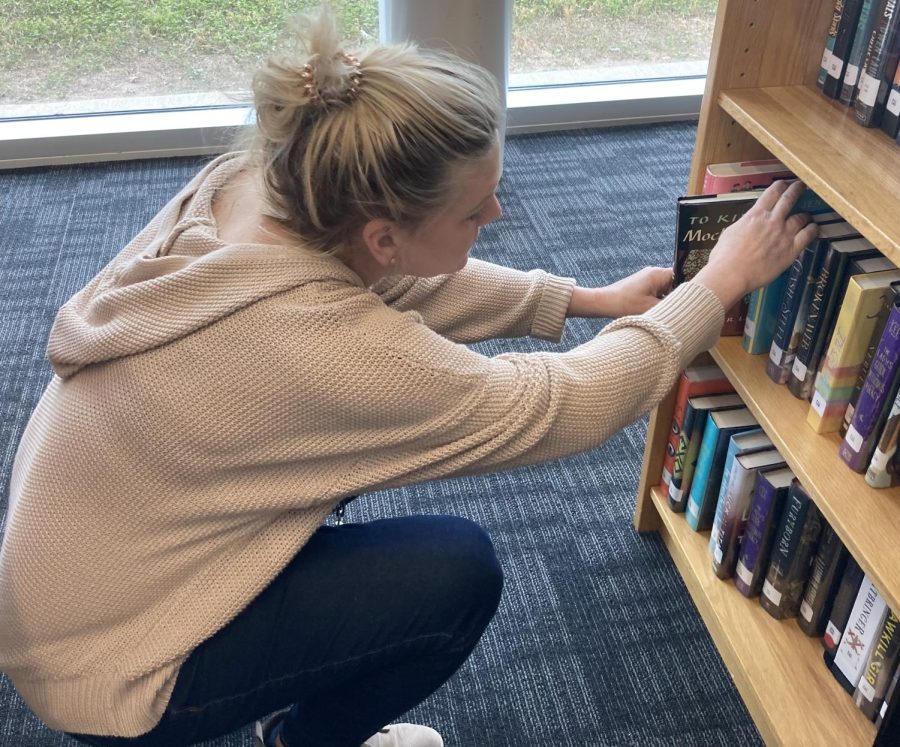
(176, 277)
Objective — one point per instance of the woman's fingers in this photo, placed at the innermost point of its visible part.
(787, 200)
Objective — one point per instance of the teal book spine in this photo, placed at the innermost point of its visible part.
(701, 473)
(759, 329)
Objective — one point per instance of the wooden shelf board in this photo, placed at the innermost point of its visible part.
(866, 519)
(854, 169)
(778, 670)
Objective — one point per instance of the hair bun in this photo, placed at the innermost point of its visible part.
(337, 82)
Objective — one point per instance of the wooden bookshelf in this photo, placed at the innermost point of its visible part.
(761, 101)
(761, 652)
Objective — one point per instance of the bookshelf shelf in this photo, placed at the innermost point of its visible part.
(761, 101)
(867, 520)
(843, 163)
(760, 652)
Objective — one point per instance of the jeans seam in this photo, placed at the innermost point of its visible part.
(329, 665)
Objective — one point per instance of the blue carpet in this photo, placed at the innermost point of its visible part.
(596, 641)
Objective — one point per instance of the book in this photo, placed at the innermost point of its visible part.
(857, 52)
(890, 120)
(766, 506)
(824, 581)
(888, 720)
(829, 291)
(716, 448)
(742, 176)
(762, 311)
(792, 553)
(866, 618)
(699, 223)
(851, 579)
(694, 381)
(695, 416)
(854, 327)
(878, 669)
(884, 468)
(881, 57)
(877, 395)
(844, 26)
(733, 508)
(794, 305)
(871, 347)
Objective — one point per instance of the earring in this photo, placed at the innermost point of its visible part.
(393, 260)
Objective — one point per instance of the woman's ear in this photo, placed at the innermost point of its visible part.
(380, 240)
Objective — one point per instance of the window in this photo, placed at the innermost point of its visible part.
(587, 41)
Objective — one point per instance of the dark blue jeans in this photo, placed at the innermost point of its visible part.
(364, 623)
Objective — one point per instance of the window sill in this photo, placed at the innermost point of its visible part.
(62, 139)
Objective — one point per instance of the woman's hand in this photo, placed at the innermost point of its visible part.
(760, 246)
(630, 295)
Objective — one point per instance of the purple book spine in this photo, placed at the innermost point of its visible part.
(759, 527)
(856, 449)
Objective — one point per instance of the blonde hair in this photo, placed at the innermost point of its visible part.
(342, 140)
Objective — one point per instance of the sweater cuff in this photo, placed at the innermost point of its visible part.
(694, 315)
(550, 316)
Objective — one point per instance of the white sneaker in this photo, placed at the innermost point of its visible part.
(405, 735)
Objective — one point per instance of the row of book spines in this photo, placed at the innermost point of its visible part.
(834, 309)
(859, 63)
(862, 643)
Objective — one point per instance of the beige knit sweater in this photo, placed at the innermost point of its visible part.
(211, 405)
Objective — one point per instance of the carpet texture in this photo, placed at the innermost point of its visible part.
(596, 641)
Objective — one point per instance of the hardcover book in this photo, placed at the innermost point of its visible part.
(884, 469)
(890, 120)
(877, 395)
(878, 66)
(694, 381)
(766, 506)
(844, 24)
(824, 581)
(877, 671)
(792, 553)
(828, 293)
(699, 223)
(857, 52)
(854, 327)
(888, 721)
(741, 176)
(733, 509)
(792, 314)
(762, 311)
(851, 579)
(727, 433)
(695, 416)
(866, 618)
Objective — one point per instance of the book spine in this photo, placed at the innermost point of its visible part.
(830, 39)
(725, 543)
(862, 371)
(687, 424)
(876, 60)
(859, 443)
(858, 51)
(851, 579)
(717, 478)
(778, 367)
(866, 617)
(827, 569)
(877, 671)
(759, 329)
(765, 513)
(788, 569)
(701, 474)
(843, 40)
(883, 469)
(890, 121)
(814, 319)
(888, 721)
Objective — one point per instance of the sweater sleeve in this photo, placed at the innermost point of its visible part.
(413, 406)
(483, 301)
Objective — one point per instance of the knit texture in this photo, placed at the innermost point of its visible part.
(213, 402)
